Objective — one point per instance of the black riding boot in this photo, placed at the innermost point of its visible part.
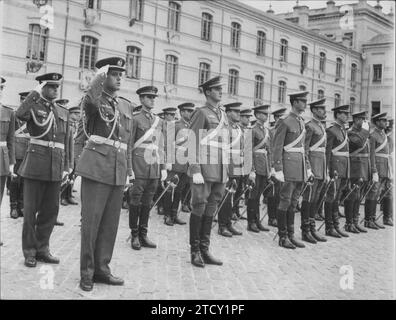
(195, 227)
(258, 222)
(134, 212)
(348, 209)
(251, 216)
(330, 231)
(206, 228)
(336, 220)
(356, 206)
(271, 208)
(368, 221)
(282, 230)
(14, 210)
(374, 215)
(290, 228)
(305, 222)
(167, 205)
(143, 228)
(387, 212)
(312, 225)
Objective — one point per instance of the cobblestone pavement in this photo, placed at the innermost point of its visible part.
(254, 266)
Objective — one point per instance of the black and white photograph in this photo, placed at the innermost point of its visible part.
(200, 153)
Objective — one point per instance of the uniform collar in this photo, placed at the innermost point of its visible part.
(109, 97)
(185, 122)
(342, 126)
(147, 113)
(295, 115)
(379, 130)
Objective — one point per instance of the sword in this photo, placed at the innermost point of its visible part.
(370, 186)
(356, 186)
(270, 184)
(325, 193)
(171, 184)
(249, 186)
(385, 193)
(231, 189)
(333, 180)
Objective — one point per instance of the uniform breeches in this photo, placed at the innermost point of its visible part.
(289, 194)
(173, 196)
(16, 188)
(41, 203)
(379, 188)
(335, 190)
(206, 197)
(100, 208)
(312, 193)
(142, 192)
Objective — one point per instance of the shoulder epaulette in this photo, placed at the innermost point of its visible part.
(136, 112)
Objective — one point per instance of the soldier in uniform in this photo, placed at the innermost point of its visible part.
(291, 167)
(236, 166)
(44, 166)
(315, 148)
(16, 185)
(273, 197)
(337, 161)
(179, 166)
(358, 138)
(206, 170)
(148, 166)
(387, 200)
(381, 173)
(261, 150)
(104, 166)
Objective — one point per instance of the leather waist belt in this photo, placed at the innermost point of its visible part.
(49, 144)
(3, 143)
(319, 149)
(341, 154)
(110, 142)
(295, 150)
(261, 151)
(22, 135)
(360, 155)
(382, 155)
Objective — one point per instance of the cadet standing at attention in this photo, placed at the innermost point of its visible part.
(206, 169)
(104, 165)
(44, 166)
(179, 165)
(148, 166)
(291, 167)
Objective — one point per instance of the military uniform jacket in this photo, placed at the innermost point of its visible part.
(359, 153)
(80, 140)
(291, 160)
(337, 151)
(207, 135)
(236, 151)
(108, 164)
(315, 148)
(379, 153)
(7, 139)
(147, 137)
(43, 162)
(21, 139)
(180, 128)
(261, 142)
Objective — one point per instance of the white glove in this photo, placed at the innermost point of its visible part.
(164, 174)
(279, 176)
(103, 70)
(168, 166)
(272, 174)
(375, 177)
(327, 177)
(40, 86)
(252, 176)
(132, 176)
(13, 175)
(65, 173)
(198, 178)
(310, 173)
(366, 126)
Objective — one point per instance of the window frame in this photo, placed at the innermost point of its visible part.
(282, 87)
(171, 69)
(353, 72)
(91, 60)
(203, 70)
(338, 74)
(304, 58)
(42, 38)
(233, 81)
(337, 100)
(236, 30)
(206, 26)
(377, 80)
(136, 9)
(174, 14)
(322, 62)
(284, 45)
(261, 43)
(258, 87)
(133, 70)
(321, 94)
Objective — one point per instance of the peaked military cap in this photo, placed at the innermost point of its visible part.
(317, 103)
(62, 102)
(214, 82)
(279, 112)
(169, 110)
(3, 80)
(137, 108)
(342, 108)
(246, 112)
(74, 109)
(23, 94)
(50, 78)
(359, 114)
(113, 62)
(379, 116)
(301, 95)
(161, 115)
(233, 106)
(147, 90)
(263, 108)
(186, 106)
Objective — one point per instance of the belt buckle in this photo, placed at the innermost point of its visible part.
(51, 144)
(117, 144)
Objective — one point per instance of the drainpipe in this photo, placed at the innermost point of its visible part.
(154, 43)
(65, 43)
(272, 63)
(221, 42)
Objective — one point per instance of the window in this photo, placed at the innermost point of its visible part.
(174, 16)
(93, 4)
(233, 79)
(338, 68)
(204, 72)
(375, 107)
(283, 50)
(337, 99)
(88, 52)
(206, 28)
(304, 58)
(322, 62)
(171, 65)
(352, 104)
(377, 76)
(136, 9)
(282, 92)
(302, 88)
(258, 87)
(320, 94)
(350, 36)
(133, 60)
(353, 72)
(37, 42)
(235, 35)
(260, 51)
